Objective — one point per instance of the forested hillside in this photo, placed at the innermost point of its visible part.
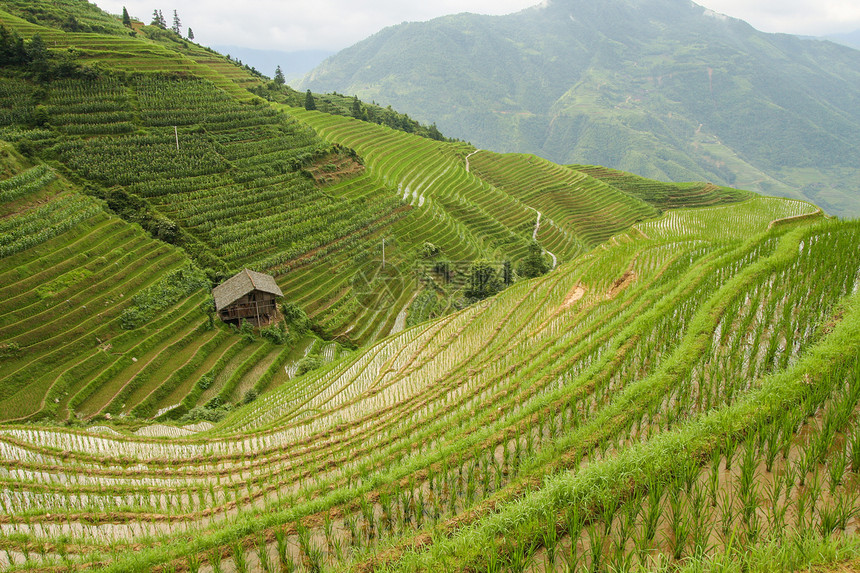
(483, 361)
(662, 88)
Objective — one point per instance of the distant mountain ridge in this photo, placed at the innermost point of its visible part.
(850, 39)
(664, 88)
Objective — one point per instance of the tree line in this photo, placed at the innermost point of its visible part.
(159, 21)
(35, 59)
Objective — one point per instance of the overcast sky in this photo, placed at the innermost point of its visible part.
(291, 25)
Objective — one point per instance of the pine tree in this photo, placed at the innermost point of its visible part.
(310, 104)
(483, 281)
(126, 19)
(434, 133)
(279, 76)
(177, 25)
(534, 264)
(190, 34)
(37, 54)
(356, 108)
(158, 20)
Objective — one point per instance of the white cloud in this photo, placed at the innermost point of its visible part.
(297, 25)
(336, 24)
(808, 17)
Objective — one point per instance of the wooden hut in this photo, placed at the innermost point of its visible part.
(248, 295)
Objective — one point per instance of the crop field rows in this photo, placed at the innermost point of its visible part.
(437, 185)
(685, 382)
(57, 314)
(104, 111)
(87, 16)
(23, 185)
(746, 217)
(583, 206)
(230, 174)
(18, 102)
(233, 163)
(501, 417)
(132, 54)
(382, 155)
(98, 318)
(664, 195)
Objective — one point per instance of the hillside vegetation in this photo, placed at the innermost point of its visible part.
(665, 89)
(310, 197)
(679, 391)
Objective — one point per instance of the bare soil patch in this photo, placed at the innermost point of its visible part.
(334, 168)
(574, 295)
(620, 284)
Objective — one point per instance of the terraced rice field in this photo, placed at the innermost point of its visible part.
(679, 393)
(229, 176)
(430, 176)
(64, 291)
(664, 195)
(138, 54)
(99, 319)
(577, 205)
(711, 222)
(650, 401)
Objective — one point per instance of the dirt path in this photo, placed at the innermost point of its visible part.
(534, 237)
(621, 283)
(554, 259)
(467, 159)
(537, 223)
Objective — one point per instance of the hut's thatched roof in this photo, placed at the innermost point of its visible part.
(241, 284)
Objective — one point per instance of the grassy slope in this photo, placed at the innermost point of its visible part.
(139, 54)
(553, 380)
(664, 195)
(233, 175)
(64, 295)
(483, 437)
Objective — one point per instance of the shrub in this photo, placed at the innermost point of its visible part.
(9, 350)
(205, 381)
(307, 364)
(202, 413)
(276, 333)
(163, 294)
(295, 317)
(247, 330)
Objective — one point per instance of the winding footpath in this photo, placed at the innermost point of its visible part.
(537, 223)
(534, 237)
(467, 159)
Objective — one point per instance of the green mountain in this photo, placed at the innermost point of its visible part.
(662, 88)
(483, 361)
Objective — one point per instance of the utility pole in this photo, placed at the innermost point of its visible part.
(176, 134)
(383, 252)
